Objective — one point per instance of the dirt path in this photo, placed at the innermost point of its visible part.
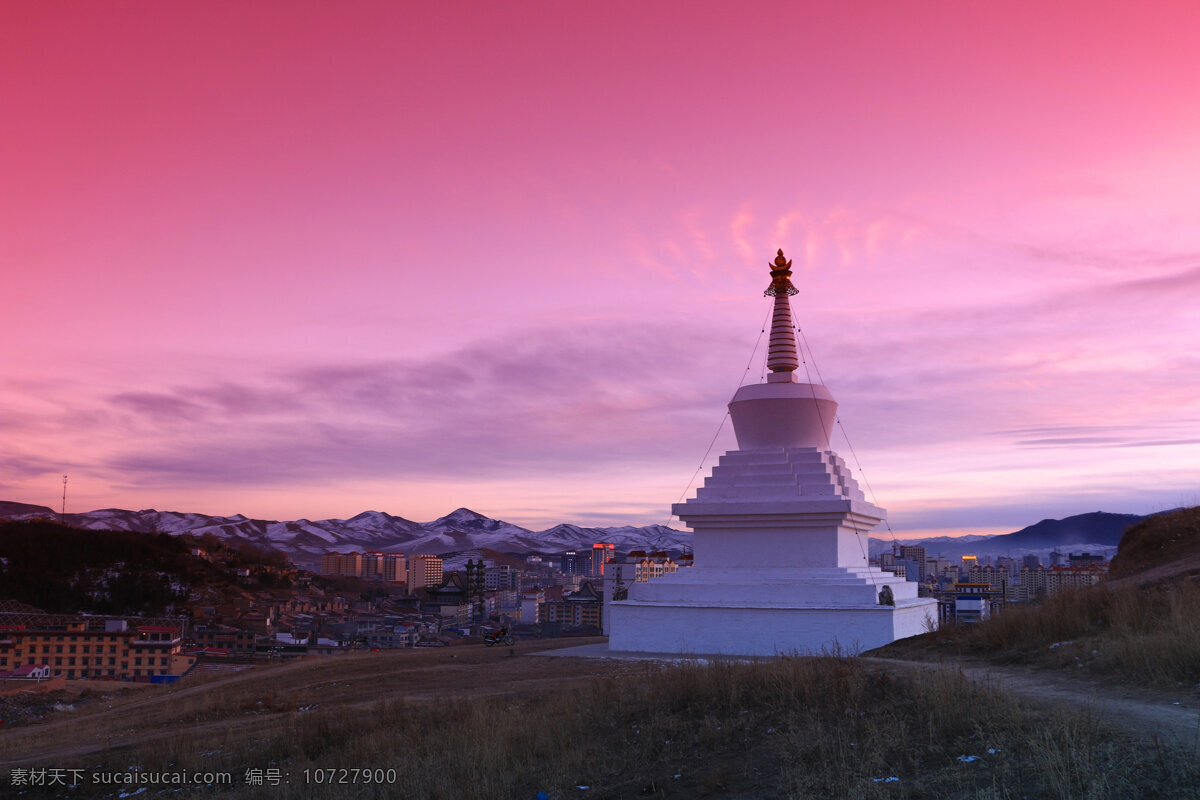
(1146, 714)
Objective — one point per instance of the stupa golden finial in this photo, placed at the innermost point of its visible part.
(781, 273)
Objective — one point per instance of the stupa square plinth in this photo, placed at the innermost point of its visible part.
(781, 530)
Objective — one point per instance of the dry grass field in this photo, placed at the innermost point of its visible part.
(1119, 632)
(1140, 628)
(223, 710)
(471, 722)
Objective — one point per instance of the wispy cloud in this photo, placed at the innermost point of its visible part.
(740, 228)
(535, 403)
(17, 467)
(158, 405)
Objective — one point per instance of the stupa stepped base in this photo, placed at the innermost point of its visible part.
(649, 627)
(771, 586)
(779, 473)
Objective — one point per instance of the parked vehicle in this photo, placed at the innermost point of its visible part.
(501, 636)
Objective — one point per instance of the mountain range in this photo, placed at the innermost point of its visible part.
(462, 529)
(305, 540)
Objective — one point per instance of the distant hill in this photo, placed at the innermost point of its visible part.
(1098, 529)
(1163, 547)
(305, 540)
(11, 509)
(60, 569)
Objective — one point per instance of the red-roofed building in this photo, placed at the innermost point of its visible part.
(31, 672)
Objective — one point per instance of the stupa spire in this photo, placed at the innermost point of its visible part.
(783, 356)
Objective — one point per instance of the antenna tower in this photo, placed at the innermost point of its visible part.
(62, 517)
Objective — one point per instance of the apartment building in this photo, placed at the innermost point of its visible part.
(501, 577)
(654, 565)
(93, 647)
(531, 606)
(602, 553)
(350, 564)
(424, 570)
(372, 566)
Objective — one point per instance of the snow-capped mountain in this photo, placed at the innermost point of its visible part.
(305, 540)
(649, 537)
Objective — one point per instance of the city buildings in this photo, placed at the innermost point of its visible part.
(979, 588)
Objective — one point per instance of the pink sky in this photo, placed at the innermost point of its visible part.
(304, 259)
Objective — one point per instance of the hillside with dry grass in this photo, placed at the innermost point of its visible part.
(1141, 628)
(1164, 547)
(481, 723)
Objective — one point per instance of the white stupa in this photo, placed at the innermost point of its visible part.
(781, 536)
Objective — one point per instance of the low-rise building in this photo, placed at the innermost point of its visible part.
(235, 641)
(394, 637)
(973, 602)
